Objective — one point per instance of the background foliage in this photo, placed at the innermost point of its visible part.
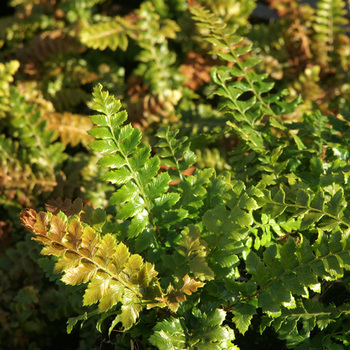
(197, 199)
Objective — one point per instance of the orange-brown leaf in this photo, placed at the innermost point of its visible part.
(28, 218)
(172, 298)
(66, 206)
(191, 285)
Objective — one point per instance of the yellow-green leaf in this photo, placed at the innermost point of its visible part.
(75, 232)
(146, 274)
(120, 258)
(133, 266)
(42, 224)
(58, 229)
(81, 274)
(89, 242)
(130, 309)
(106, 249)
(96, 289)
(112, 296)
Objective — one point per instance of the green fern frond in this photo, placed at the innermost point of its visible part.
(245, 94)
(157, 62)
(288, 272)
(174, 152)
(295, 325)
(203, 330)
(34, 135)
(141, 188)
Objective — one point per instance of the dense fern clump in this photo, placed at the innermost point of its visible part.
(195, 174)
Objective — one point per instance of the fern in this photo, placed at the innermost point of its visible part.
(180, 257)
(329, 34)
(206, 331)
(161, 80)
(140, 188)
(71, 128)
(174, 152)
(295, 325)
(230, 48)
(111, 33)
(34, 134)
(7, 71)
(112, 274)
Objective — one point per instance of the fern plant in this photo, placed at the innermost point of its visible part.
(185, 258)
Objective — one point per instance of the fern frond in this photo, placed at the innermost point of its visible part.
(111, 33)
(7, 70)
(202, 330)
(227, 227)
(48, 44)
(329, 25)
(295, 325)
(194, 251)
(112, 274)
(157, 64)
(71, 128)
(141, 188)
(17, 177)
(68, 98)
(174, 152)
(34, 135)
(287, 272)
(211, 158)
(245, 96)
